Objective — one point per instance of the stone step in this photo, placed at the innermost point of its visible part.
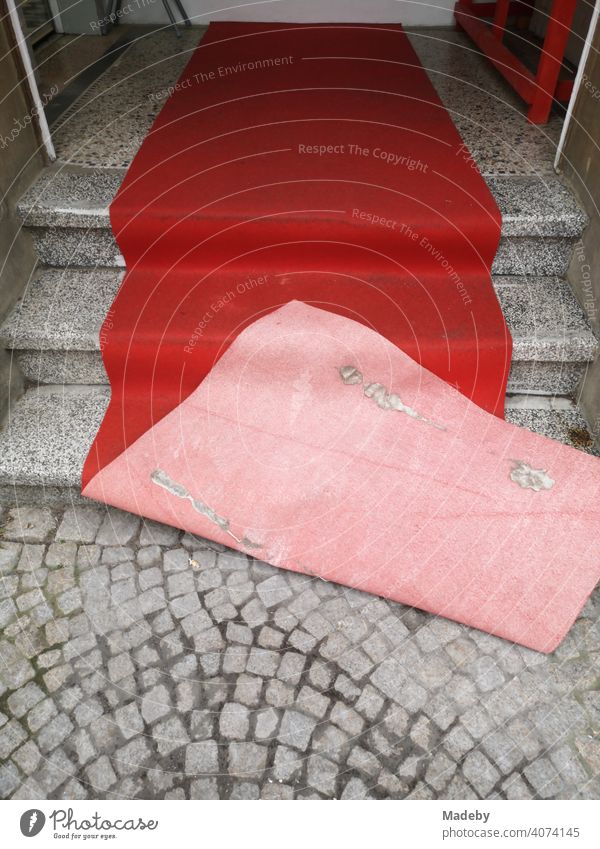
(54, 330)
(67, 213)
(44, 441)
(47, 435)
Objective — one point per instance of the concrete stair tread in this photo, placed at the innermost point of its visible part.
(47, 435)
(74, 196)
(63, 309)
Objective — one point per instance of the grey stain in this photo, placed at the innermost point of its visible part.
(350, 375)
(161, 478)
(386, 400)
(529, 478)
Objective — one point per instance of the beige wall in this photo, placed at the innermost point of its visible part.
(20, 161)
(580, 166)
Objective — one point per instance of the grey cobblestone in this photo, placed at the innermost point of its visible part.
(245, 790)
(544, 778)
(117, 528)
(347, 719)
(82, 746)
(30, 524)
(11, 735)
(88, 556)
(113, 555)
(149, 556)
(41, 714)
(363, 761)
(9, 779)
(248, 689)
(440, 771)
(56, 732)
(130, 757)
(568, 766)
(322, 774)
(153, 533)
(515, 788)
(274, 591)
(100, 774)
(247, 760)
(80, 524)
(267, 721)
(312, 702)
(262, 662)
(296, 729)
(205, 788)
(201, 758)
(22, 700)
(254, 613)
(129, 720)
(356, 789)
(478, 770)
(28, 757)
(287, 764)
(129, 671)
(119, 667)
(17, 674)
(55, 770)
(234, 721)
(170, 735)
(277, 792)
(10, 553)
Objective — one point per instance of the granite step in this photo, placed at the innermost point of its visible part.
(48, 433)
(54, 330)
(66, 211)
(44, 441)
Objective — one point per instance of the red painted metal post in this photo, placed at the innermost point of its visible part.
(500, 18)
(511, 68)
(555, 42)
(537, 91)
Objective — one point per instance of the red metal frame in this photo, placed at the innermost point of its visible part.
(538, 90)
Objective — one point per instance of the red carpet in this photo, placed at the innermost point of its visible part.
(301, 162)
(316, 445)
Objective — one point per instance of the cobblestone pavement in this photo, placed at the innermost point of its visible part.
(141, 662)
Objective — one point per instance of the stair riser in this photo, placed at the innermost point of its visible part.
(70, 247)
(42, 496)
(86, 368)
(545, 378)
(533, 255)
(60, 367)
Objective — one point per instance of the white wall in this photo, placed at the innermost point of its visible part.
(409, 12)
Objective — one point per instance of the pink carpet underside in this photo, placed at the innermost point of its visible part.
(318, 446)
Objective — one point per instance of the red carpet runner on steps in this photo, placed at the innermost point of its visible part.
(307, 162)
(300, 177)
